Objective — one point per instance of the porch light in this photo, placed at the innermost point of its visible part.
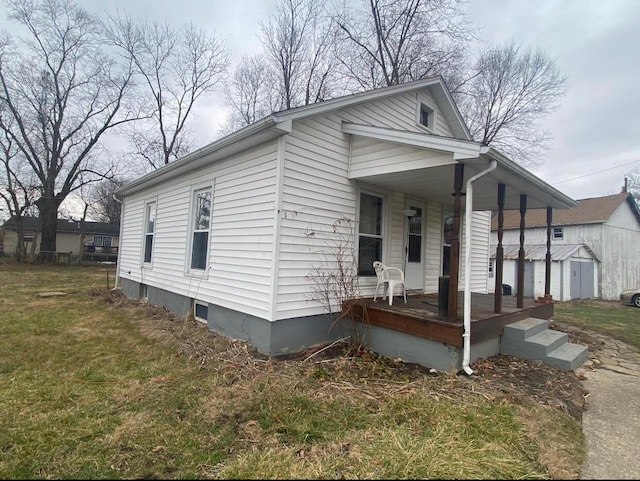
(409, 212)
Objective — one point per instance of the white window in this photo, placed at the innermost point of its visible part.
(102, 241)
(149, 229)
(557, 233)
(490, 267)
(200, 228)
(426, 116)
(201, 311)
(369, 233)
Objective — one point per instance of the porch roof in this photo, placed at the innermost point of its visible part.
(432, 177)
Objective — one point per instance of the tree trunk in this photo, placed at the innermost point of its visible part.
(48, 207)
(20, 248)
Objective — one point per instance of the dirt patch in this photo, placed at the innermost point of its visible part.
(339, 367)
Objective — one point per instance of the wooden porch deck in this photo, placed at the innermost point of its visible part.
(419, 316)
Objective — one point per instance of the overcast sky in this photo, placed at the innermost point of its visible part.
(595, 43)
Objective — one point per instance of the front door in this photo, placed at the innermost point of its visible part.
(414, 245)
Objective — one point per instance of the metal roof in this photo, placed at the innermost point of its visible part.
(538, 252)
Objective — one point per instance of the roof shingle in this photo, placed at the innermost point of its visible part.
(588, 211)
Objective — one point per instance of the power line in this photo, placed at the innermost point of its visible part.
(593, 173)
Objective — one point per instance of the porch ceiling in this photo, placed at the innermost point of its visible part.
(435, 181)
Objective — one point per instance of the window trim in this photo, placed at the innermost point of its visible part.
(102, 238)
(191, 271)
(558, 233)
(195, 315)
(383, 229)
(423, 104)
(145, 234)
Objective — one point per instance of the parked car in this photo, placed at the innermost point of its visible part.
(631, 297)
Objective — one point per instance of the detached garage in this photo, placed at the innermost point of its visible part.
(574, 271)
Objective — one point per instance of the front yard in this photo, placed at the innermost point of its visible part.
(96, 386)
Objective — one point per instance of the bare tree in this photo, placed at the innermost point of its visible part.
(511, 91)
(103, 207)
(18, 189)
(298, 41)
(298, 66)
(388, 42)
(178, 67)
(61, 92)
(250, 93)
(632, 184)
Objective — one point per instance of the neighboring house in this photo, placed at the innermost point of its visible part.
(100, 239)
(595, 247)
(237, 230)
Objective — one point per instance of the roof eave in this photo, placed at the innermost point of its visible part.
(254, 134)
(554, 196)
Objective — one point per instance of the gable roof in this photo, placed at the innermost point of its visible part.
(594, 210)
(538, 252)
(280, 123)
(67, 226)
(436, 85)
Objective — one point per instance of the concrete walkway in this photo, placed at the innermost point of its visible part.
(611, 423)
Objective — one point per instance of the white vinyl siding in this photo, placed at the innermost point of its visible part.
(316, 194)
(373, 157)
(434, 239)
(241, 244)
(397, 234)
(131, 246)
(397, 112)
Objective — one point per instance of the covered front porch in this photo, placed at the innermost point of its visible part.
(442, 179)
(418, 331)
(423, 316)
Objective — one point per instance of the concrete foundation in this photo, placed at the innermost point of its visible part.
(296, 334)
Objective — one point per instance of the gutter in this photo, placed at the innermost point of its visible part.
(466, 336)
(510, 166)
(250, 133)
(117, 280)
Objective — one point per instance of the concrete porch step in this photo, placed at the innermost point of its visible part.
(568, 357)
(532, 339)
(525, 328)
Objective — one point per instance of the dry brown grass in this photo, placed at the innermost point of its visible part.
(122, 389)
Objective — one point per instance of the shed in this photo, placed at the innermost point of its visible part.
(574, 270)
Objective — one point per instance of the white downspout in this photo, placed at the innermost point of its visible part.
(466, 336)
(117, 280)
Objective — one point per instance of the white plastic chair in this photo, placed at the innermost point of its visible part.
(392, 277)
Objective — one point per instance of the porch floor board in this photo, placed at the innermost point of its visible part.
(419, 316)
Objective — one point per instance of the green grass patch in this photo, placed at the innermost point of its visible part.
(93, 386)
(606, 317)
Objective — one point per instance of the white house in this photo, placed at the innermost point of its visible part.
(595, 248)
(236, 229)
